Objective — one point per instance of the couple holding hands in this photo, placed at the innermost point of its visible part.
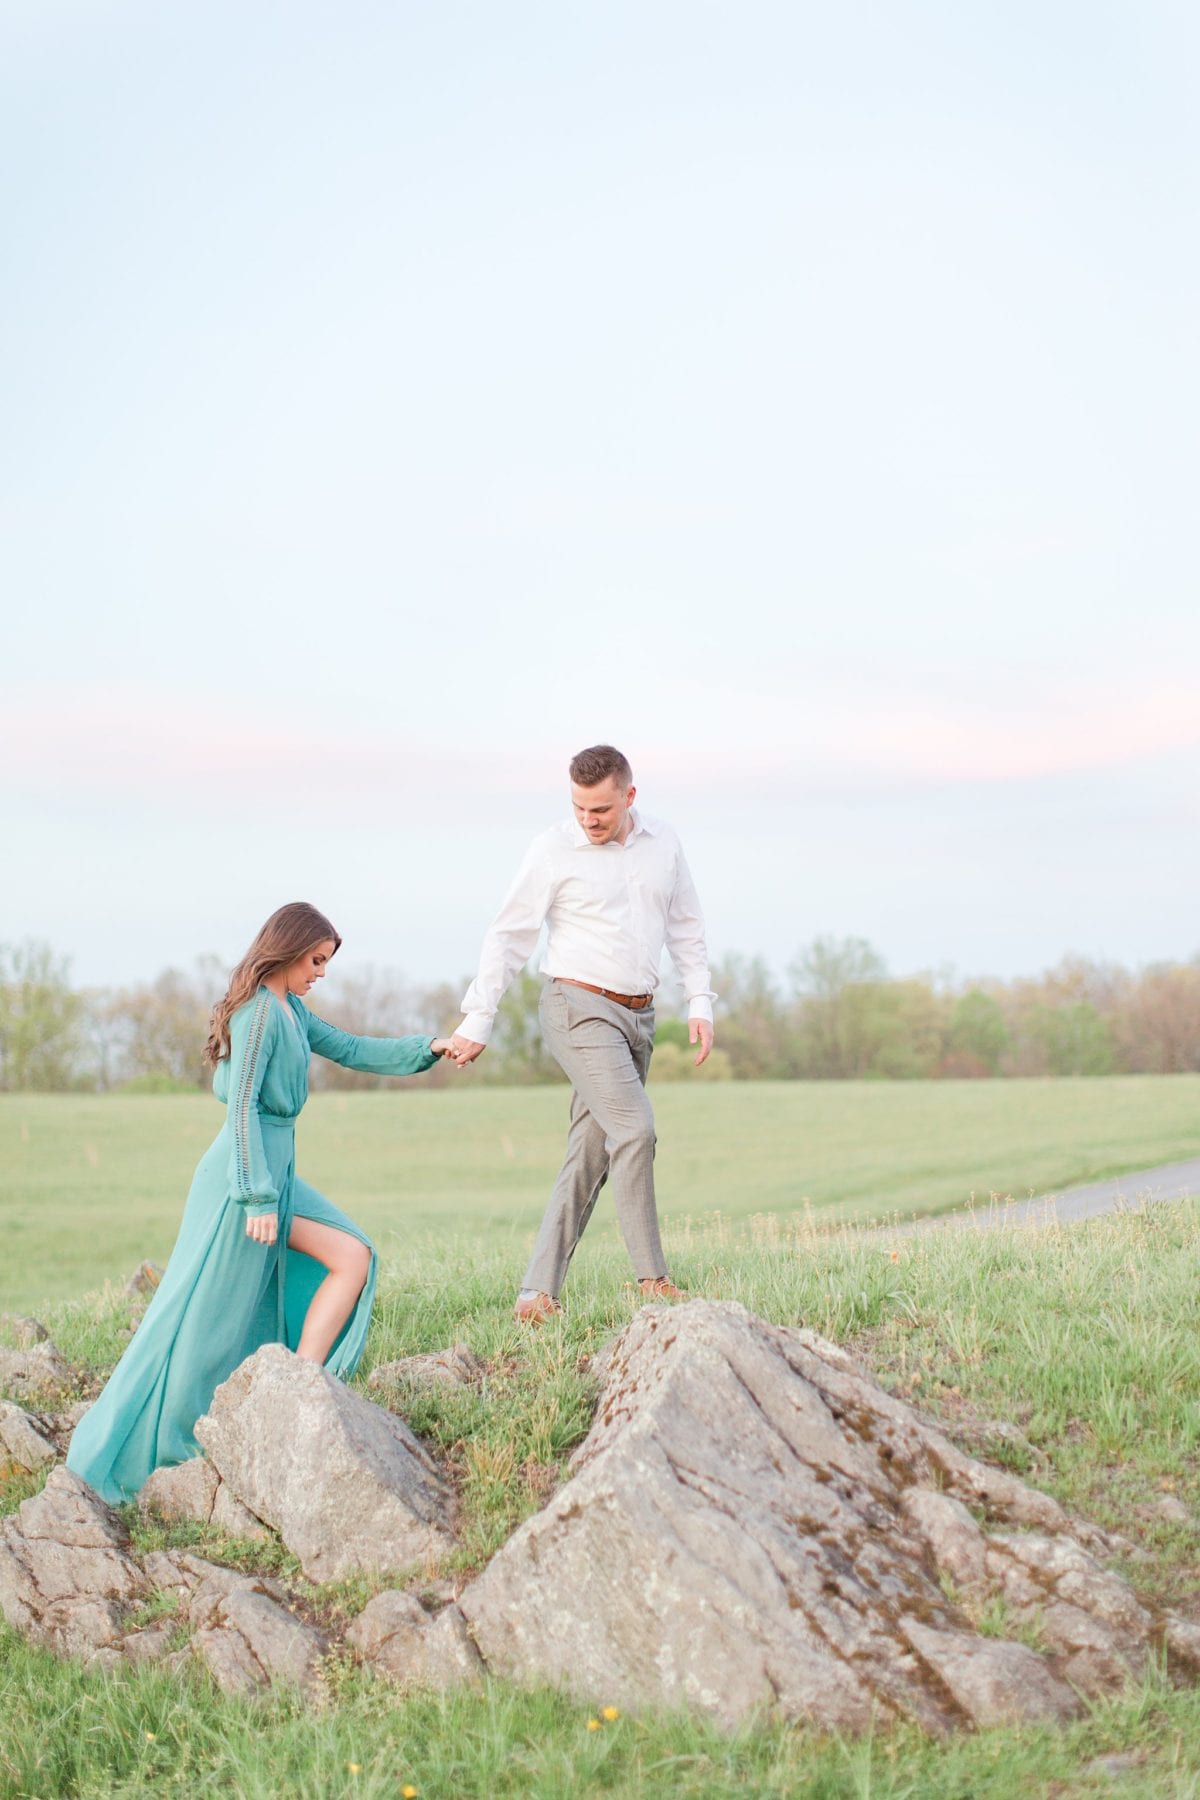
(262, 1257)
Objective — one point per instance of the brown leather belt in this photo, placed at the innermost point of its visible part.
(636, 1002)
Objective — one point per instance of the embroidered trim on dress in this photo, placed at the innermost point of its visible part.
(245, 1094)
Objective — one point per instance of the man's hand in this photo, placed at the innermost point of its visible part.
(465, 1050)
(700, 1032)
(264, 1228)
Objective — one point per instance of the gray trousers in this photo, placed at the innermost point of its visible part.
(604, 1050)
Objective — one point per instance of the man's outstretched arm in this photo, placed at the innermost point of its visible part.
(507, 947)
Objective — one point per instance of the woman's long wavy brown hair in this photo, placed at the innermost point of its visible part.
(287, 934)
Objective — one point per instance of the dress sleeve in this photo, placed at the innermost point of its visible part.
(251, 1035)
(370, 1055)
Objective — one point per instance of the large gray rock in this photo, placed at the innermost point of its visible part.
(414, 1649)
(66, 1575)
(753, 1523)
(23, 1445)
(345, 1483)
(34, 1371)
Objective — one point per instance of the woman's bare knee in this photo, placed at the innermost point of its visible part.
(358, 1261)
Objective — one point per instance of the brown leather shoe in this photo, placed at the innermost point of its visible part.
(536, 1310)
(662, 1289)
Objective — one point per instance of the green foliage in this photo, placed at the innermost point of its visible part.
(40, 1019)
(844, 1018)
(978, 1035)
(158, 1083)
(673, 1063)
(517, 1054)
(1074, 1039)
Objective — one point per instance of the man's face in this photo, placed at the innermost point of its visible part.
(603, 810)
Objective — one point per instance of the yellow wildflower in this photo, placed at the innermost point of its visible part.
(610, 1713)
(408, 1792)
(151, 1737)
(593, 1724)
(354, 1768)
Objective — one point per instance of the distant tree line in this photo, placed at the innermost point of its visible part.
(836, 1015)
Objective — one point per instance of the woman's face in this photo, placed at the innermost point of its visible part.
(300, 975)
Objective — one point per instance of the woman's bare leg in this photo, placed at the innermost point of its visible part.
(348, 1261)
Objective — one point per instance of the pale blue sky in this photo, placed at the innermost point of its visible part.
(398, 398)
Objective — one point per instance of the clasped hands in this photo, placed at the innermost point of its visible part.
(459, 1050)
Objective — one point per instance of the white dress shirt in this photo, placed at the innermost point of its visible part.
(610, 908)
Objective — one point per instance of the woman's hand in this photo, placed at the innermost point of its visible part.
(264, 1228)
(441, 1047)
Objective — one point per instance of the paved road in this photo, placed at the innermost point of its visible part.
(1145, 1187)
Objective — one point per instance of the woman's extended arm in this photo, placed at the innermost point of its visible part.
(251, 1034)
(372, 1055)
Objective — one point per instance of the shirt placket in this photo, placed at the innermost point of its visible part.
(639, 973)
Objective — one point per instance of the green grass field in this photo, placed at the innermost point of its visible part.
(1082, 1336)
(91, 1185)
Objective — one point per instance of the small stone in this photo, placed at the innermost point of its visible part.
(149, 1645)
(457, 1367)
(397, 1636)
(18, 1330)
(1183, 1642)
(184, 1490)
(994, 1681)
(22, 1444)
(248, 1638)
(145, 1279)
(1115, 1766)
(34, 1372)
(1169, 1510)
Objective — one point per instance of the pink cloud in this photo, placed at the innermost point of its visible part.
(117, 744)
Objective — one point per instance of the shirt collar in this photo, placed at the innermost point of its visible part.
(639, 824)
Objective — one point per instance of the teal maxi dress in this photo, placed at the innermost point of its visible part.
(222, 1295)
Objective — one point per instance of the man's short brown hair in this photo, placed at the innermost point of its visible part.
(595, 765)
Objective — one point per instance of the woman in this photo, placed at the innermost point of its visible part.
(261, 1257)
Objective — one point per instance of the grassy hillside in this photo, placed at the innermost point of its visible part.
(90, 1185)
(1083, 1337)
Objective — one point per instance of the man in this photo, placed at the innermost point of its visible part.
(613, 888)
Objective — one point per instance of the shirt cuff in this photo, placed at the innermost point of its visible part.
(700, 1008)
(477, 1026)
(256, 1209)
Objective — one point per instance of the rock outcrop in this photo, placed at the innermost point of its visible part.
(755, 1524)
(67, 1578)
(752, 1525)
(344, 1482)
